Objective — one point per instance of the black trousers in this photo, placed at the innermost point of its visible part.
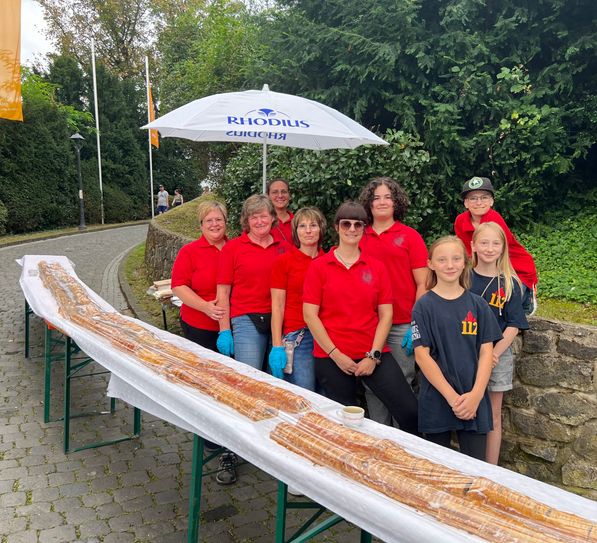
(470, 443)
(387, 382)
(205, 338)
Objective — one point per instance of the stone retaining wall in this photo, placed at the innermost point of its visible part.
(161, 249)
(550, 418)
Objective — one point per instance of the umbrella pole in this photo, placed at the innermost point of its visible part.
(264, 164)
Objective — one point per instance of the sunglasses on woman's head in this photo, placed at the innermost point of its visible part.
(345, 224)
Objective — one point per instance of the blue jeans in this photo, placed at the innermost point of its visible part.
(303, 365)
(250, 345)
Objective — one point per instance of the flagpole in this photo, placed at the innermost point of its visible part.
(149, 136)
(97, 131)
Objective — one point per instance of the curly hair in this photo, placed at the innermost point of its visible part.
(399, 197)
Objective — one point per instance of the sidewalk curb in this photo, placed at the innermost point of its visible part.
(129, 296)
(64, 234)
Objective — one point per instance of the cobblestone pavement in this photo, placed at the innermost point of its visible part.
(135, 491)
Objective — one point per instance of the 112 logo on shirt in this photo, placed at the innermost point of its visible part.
(469, 325)
(498, 299)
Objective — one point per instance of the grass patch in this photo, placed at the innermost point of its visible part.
(183, 219)
(566, 258)
(565, 310)
(139, 280)
(14, 239)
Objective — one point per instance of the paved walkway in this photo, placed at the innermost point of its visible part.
(135, 491)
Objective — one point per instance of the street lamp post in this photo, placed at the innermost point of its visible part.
(78, 141)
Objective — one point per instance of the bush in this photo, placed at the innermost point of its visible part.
(3, 218)
(327, 178)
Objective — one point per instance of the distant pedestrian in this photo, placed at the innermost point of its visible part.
(178, 199)
(163, 200)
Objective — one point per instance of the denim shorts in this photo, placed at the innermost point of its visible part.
(501, 376)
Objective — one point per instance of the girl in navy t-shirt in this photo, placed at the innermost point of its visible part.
(453, 334)
(497, 283)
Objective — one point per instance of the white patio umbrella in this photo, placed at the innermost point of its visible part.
(265, 117)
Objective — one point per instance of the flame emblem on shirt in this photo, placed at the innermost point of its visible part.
(498, 299)
(469, 325)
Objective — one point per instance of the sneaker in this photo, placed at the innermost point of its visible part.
(227, 473)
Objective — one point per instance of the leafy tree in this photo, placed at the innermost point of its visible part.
(121, 31)
(504, 89)
(327, 178)
(38, 183)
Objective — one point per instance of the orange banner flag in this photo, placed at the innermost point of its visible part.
(155, 139)
(10, 60)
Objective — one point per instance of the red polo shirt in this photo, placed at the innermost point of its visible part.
(196, 266)
(247, 267)
(283, 230)
(348, 300)
(520, 258)
(288, 274)
(402, 250)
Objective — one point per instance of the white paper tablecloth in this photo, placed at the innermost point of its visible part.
(193, 411)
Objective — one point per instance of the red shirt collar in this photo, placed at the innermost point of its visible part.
(244, 238)
(330, 258)
(202, 242)
(396, 226)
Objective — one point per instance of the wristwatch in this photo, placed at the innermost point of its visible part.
(374, 355)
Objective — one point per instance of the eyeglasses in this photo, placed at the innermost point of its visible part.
(210, 222)
(484, 198)
(304, 226)
(347, 224)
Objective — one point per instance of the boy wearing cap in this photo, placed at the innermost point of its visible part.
(477, 194)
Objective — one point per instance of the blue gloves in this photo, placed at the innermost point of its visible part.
(407, 342)
(277, 361)
(225, 343)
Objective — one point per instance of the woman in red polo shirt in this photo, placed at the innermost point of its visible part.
(194, 281)
(278, 191)
(348, 308)
(289, 331)
(194, 277)
(244, 284)
(404, 254)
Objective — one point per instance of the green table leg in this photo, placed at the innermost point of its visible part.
(27, 323)
(195, 493)
(66, 415)
(136, 422)
(304, 534)
(281, 512)
(47, 373)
